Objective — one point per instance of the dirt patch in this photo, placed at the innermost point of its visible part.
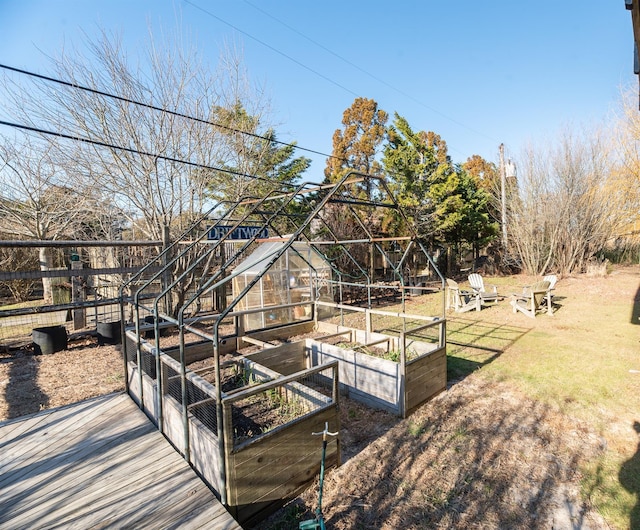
(30, 383)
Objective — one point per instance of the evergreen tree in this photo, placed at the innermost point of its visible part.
(446, 203)
(255, 162)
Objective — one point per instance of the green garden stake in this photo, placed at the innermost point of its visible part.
(318, 522)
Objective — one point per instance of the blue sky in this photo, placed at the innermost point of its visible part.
(478, 73)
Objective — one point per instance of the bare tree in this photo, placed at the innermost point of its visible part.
(146, 159)
(18, 259)
(150, 187)
(562, 215)
(40, 199)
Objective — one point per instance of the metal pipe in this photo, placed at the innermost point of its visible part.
(69, 243)
(123, 339)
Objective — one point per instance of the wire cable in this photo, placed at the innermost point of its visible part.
(136, 151)
(346, 61)
(266, 45)
(153, 107)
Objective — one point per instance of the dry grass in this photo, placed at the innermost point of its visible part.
(481, 456)
(535, 431)
(30, 383)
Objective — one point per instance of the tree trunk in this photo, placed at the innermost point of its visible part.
(46, 264)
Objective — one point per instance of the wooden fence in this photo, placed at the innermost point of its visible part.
(85, 277)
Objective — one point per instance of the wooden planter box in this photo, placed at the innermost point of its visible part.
(262, 473)
(374, 381)
(382, 383)
(370, 380)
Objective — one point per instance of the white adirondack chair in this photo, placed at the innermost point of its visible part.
(477, 284)
(529, 302)
(461, 300)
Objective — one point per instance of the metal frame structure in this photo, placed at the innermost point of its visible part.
(194, 269)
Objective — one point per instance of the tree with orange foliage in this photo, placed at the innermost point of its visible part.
(356, 146)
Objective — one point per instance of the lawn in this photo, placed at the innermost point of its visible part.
(584, 361)
(540, 414)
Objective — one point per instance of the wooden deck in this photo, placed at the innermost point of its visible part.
(99, 464)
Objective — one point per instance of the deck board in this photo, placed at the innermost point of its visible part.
(99, 464)
(31, 456)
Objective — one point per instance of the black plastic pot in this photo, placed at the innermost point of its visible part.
(49, 339)
(150, 334)
(109, 332)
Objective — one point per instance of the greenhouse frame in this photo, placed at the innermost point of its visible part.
(236, 298)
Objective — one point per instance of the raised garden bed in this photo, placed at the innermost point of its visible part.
(262, 413)
(372, 369)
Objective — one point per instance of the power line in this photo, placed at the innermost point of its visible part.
(338, 56)
(134, 151)
(153, 107)
(266, 45)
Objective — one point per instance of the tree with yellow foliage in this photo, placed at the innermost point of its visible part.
(624, 188)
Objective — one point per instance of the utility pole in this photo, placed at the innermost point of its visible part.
(506, 171)
(503, 199)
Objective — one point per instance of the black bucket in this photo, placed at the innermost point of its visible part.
(49, 339)
(150, 334)
(109, 332)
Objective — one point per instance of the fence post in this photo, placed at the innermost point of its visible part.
(77, 293)
(403, 372)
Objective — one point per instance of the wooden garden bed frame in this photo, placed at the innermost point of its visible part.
(196, 418)
(395, 386)
(259, 474)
